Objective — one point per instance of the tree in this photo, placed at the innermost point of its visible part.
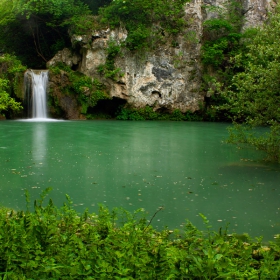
(221, 34)
(253, 96)
(35, 30)
(221, 40)
(254, 93)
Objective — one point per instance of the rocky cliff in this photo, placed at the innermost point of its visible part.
(166, 78)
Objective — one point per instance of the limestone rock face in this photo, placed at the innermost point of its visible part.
(158, 82)
(65, 56)
(256, 11)
(167, 78)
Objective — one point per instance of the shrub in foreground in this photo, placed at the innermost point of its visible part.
(58, 243)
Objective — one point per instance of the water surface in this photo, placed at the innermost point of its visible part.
(183, 166)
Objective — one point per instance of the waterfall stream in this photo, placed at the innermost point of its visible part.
(36, 82)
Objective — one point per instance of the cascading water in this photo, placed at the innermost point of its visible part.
(36, 82)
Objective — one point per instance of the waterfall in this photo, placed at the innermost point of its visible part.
(36, 82)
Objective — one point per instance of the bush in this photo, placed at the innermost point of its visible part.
(129, 114)
(177, 115)
(59, 243)
(7, 103)
(222, 35)
(88, 91)
(252, 94)
(268, 142)
(39, 28)
(145, 20)
(147, 113)
(11, 70)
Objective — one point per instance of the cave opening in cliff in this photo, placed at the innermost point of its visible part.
(107, 107)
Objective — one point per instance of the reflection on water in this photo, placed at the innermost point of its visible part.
(39, 142)
(181, 166)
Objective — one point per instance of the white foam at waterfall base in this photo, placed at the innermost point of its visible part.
(40, 120)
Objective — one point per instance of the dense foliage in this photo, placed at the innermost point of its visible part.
(58, 243)
(252, 96)
(7, 103)
(11, 71)
(36, 30)
(86, 90)
(95, 5)
(147, 113)
(241, 77)
(221, 41)
(40, 28)
(147, 21)
(268, 141)
(222, 34)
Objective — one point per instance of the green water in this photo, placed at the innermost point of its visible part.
(183, 166)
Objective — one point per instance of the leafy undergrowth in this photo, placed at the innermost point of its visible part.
(58, 243)
(147, 113)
